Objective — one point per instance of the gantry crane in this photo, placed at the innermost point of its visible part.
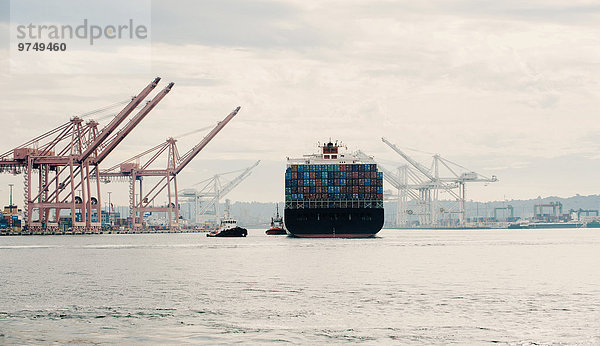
(64, 160)
(432, 183)
(509, 208)
(136, 174)
(557, 210)
(409, 184)
(207, 198)
(418, 191)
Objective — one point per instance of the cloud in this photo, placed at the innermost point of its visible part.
(579, 12)
(4, 11)
(571, 13)
(490, 86)
(238, 23)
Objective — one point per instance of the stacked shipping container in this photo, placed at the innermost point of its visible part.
(333, 183)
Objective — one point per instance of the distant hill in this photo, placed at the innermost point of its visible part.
(257, 214)
(522, 208)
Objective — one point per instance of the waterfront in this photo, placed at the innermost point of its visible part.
(404, 286)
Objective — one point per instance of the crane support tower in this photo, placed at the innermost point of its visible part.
(59, 165)
(141, 197)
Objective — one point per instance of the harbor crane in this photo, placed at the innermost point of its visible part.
(59, 164)
(508, 208)
(141, 199)
(206, 199)
(430, 182)
(409, 185)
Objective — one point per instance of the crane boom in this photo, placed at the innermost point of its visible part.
(118, 119)
(417, 165)
(122, 133)
(235, 182)
(393, 180)
(187, 157)
(227, 188)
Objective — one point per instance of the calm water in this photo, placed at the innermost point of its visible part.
(423, 287)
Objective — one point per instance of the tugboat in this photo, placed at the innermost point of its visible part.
(228, 228)
(276, 225)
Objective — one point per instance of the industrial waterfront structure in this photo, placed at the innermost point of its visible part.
(422, 187)
(58, 167)
(205, 199)
(141, 198)
(62, 175)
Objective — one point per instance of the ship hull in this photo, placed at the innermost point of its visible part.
(334, 222)
(542, 225)
(275, 231)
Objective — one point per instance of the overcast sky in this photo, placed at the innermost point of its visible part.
(505, 88)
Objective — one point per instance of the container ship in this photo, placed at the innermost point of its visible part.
(333, 194)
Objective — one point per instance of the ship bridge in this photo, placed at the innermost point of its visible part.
(331, 154)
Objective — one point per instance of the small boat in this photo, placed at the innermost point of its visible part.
(228, 228)
(277, 227)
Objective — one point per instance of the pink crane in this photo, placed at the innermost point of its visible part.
(63, 161)
(167, 177)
